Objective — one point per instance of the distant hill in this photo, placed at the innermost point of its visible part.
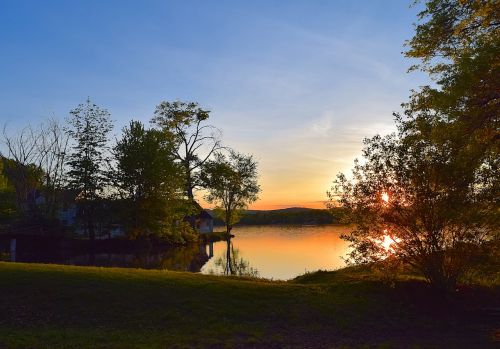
(292, 215)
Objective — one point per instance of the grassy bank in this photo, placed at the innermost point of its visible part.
(47, 306)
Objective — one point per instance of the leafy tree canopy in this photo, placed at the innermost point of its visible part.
(149, 181)
(458, 44)
(428, 194)
(419, 200)
(231, 182)
(195, 140)
(89, 126)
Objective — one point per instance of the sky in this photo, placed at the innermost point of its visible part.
(298, 84)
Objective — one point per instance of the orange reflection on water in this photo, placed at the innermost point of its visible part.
(283, 252)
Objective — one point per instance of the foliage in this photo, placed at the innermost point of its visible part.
(434, 213)
(88, 126)
(141, 186)
(34, 161)
(458, 44)
(288, 216)
(18, 162)
(7, 197)
(440, 171)
(25, 180)
(231, 182)
(148, 180)
(195, 140)
(52, 145)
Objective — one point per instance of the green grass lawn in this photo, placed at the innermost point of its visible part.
(51, 306)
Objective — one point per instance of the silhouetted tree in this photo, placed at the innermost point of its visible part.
(231, 183)
(458, 45)
(52, 146)
(88, 126)
(8, 207)
(19, 164)
(34, 161)
(195, 140)
(149, 180)
(431, 190)
(414, 197)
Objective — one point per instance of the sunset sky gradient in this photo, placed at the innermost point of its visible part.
(299, 84)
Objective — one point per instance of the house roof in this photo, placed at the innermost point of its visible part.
(205, 215)
(200, 212)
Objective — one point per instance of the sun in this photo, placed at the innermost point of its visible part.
(387, 242)
(385, 197)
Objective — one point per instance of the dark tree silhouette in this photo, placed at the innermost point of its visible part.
(195, 140)
(231, 182)
(439, 175)
(88, 126)
(148, 180)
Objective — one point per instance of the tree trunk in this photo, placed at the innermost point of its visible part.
(229, 226)
(435, 272)
(229, 264)
(189, 182)
(90, 223)
(189, 190)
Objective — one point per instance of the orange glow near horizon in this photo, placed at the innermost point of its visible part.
(277, 205)
(267, 204)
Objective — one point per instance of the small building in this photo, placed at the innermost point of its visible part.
(67, 210)
(202, 221)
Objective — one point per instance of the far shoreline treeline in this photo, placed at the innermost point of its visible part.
(287, 216)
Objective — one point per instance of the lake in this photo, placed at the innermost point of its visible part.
(274, 252)
(284, 252)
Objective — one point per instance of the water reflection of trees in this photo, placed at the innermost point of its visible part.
(186, 258)
(231, 263)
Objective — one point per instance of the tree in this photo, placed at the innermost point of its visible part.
(231, 182)
(89, 127)
(37, 166)
(195, 140)
(414, 201)
(149, 180)
(430, 192)
(7, 197)
(458, 45)
(52, 146)
(19, 164)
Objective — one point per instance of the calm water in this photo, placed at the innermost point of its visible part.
(275, 252)
(283, 252)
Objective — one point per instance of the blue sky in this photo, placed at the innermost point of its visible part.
(296, 83)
